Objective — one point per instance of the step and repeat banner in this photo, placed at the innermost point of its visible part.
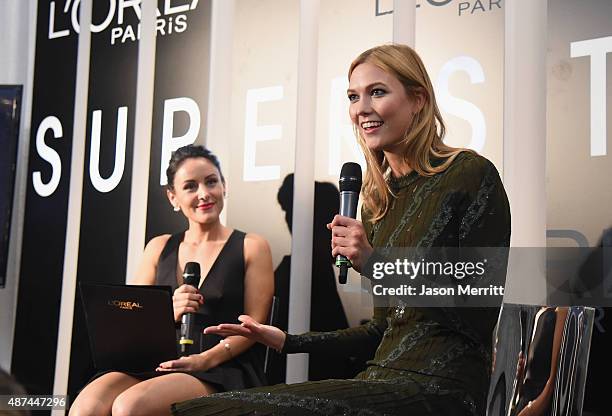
(179, 108)
(466, 69)
(462, 45)
(579, 165)
(579, 158)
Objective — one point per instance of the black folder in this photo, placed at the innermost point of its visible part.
(131, 328)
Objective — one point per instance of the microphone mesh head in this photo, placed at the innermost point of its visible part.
(350, 177)
(191, 275)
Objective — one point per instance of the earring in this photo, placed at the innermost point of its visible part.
(176, 209)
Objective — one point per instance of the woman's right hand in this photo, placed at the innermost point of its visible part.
(350, 240)
(268, 335)
(186, 299)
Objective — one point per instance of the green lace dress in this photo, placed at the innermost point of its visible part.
(426, 361)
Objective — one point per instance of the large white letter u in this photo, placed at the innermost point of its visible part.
(110, 183)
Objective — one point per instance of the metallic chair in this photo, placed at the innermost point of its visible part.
(540, 359)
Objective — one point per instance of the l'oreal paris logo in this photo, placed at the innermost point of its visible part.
(464, 7)
(170, 19)
(125, 304)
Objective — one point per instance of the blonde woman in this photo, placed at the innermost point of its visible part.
(417, 192)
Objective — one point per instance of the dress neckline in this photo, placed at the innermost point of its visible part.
(396, 184)
(403, 181)
(223, 249)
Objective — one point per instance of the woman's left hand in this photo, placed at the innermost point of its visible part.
(194, 362)
(349, 239)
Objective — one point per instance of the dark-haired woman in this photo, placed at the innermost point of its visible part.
(417, 192)
(237, 277)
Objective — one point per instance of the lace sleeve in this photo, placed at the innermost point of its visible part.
(366, 336)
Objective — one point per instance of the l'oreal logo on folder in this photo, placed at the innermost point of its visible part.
(125, 304)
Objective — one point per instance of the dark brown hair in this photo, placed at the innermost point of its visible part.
(188, 152)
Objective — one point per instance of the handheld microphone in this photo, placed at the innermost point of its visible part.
(350, 186)
(191, 277)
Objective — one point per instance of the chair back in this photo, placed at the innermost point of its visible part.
(540, 359)
(271, 321)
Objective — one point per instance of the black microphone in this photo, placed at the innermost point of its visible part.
(191, 277)
(350, 186)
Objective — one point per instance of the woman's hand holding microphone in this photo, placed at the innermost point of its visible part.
(350, 240)
(186, 299)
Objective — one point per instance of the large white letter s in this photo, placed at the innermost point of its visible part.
(48, 154)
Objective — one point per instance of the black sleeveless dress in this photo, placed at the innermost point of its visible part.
(223, 291)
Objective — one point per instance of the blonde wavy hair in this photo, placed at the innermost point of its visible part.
(422, 142)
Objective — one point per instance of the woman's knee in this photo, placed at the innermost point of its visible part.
(155, 396)
(133, 404)
(89, 406)
(123, 405)
(98, 396)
